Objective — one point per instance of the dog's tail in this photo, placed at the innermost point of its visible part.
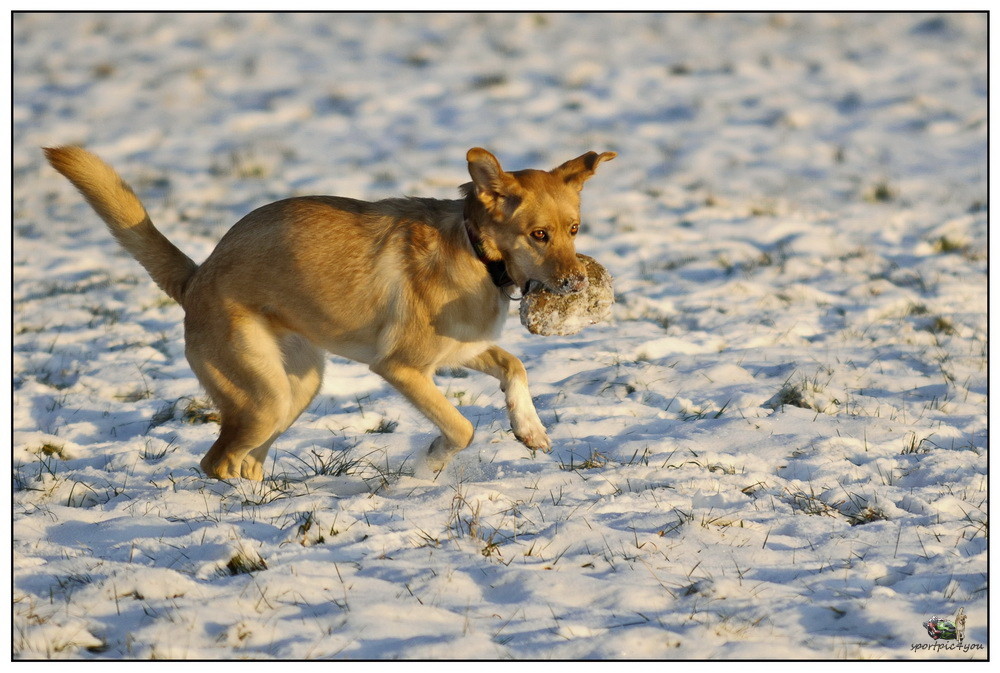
(123, 212)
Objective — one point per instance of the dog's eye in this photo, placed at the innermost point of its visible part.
(540, 235)
(574, 229)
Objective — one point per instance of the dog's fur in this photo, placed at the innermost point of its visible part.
(396, 284)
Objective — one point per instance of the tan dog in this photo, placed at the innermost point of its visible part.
(403, 285)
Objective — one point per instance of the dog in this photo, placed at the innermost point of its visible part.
(404, 285)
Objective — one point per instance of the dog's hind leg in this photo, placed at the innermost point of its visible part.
(246, 378)
(418, 387)
(524, 420)
(303, 365)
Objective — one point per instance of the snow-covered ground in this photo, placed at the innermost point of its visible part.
(776, 449)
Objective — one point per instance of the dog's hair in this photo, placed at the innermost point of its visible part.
(403, 285)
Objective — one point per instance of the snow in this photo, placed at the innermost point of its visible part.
(775, 448)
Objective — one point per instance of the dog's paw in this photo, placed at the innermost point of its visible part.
(439, 455)
(220, 468)
(532, 434)
(524, 420)
(536, 442)
(252, 469)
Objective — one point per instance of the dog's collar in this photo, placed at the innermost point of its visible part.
(495, 267)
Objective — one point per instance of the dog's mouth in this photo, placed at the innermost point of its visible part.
(561, 288)
(532, 286)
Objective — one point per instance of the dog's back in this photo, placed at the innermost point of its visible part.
(342, 272)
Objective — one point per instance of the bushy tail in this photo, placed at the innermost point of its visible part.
(125, 216)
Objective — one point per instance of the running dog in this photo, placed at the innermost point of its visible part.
(404, 285)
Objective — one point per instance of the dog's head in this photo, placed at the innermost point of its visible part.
(529, 219)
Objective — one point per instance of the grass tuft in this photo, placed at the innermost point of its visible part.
(881, 192)
(244, 563)
(594, 461)
(790, 394)
(200, 411)
(50, 449)
(385, 426)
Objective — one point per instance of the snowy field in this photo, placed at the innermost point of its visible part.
(777, 448)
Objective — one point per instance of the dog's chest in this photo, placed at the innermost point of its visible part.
(473, 334)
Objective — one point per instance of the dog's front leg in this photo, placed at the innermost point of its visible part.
(418, 387)
(524, 420)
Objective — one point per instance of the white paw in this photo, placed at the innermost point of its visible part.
(529, 431)
(524, 419)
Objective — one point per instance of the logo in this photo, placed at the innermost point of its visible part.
(941, 628)
(948, 634)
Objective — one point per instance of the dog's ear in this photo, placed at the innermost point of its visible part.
(577, 171)
(496, 189)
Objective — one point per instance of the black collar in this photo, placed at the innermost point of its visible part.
(496, 268)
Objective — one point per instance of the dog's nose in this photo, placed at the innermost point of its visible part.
(574, 283)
